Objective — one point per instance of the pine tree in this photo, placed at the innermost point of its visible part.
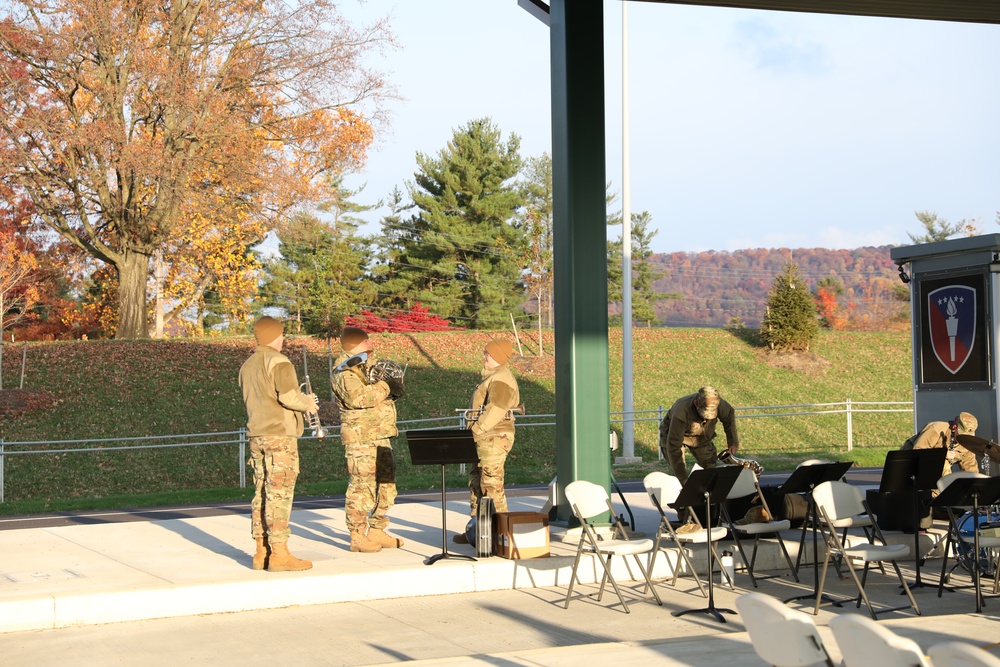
(319, 277)
(790, 322)
(461, 253)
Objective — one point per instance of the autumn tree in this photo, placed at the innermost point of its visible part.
(119, 114)
(828, 290)
(461, 252)
(790, 322)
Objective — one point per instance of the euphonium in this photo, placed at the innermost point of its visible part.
(728, 458)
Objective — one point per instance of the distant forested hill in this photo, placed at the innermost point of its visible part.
(712, 288)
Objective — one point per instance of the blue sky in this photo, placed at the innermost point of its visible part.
(748, 129)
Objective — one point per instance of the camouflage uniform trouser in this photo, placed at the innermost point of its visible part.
(372, 487)
(486, 479)
(275, 464)
(704, 453)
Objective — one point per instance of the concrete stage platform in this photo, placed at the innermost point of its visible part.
(86, 572)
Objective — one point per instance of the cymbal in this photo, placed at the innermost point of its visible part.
(979, 445)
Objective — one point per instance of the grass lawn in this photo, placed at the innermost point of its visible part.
(121, 389)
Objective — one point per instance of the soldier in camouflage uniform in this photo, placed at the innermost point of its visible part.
(690, 423)
(942, 434)
(367, 421)
(275, 406)
(493, 430)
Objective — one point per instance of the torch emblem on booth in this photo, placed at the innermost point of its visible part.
(952, 321)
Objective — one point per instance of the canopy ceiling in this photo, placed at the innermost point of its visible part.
(969, 11)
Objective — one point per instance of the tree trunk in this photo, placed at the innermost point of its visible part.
(132, 275)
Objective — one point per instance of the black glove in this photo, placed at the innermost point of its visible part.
(395, 388)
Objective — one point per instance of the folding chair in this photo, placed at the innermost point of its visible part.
(779, 635)
(836, 501)
(964, 545)
(959, 654)
(589, 501)
(864, 642)
(663, 489)
(746, 484)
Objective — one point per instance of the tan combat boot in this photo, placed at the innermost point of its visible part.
(361, 543)
(383, 539)
(260, 558)
(281, 560)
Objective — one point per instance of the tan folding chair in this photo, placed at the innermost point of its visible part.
(590, 501)
(779, 635)
(863, 641)
(746, 485)
(663, 489)
(839, 500)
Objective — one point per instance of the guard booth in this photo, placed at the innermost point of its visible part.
(954, 299)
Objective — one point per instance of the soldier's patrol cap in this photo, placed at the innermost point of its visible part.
(707, 402)
(966, 423)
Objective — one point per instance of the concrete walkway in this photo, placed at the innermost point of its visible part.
(110, 592)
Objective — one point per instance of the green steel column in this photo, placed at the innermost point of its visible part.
(580, 244)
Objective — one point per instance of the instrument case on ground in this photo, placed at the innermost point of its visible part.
(521, 535)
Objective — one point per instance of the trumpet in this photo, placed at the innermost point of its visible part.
(471, 415)
(312, 418)
(728, 458)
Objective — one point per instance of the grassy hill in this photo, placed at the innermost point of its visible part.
(121, 389)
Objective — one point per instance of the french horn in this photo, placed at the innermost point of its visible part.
(728, 458)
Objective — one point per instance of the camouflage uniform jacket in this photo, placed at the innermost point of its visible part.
(497, 394)
(366, 411)
(684, 426)
(271, 394)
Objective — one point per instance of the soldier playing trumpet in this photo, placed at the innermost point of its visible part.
(494, 403)
(367, 421)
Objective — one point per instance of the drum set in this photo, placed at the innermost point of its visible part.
(987, 521)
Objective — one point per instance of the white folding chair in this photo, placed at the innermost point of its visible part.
(964, 545)
(836, 501)
(959, 654)
(746, 485)
(663, 489)
(588, 501)
(864, 642)
(779, 635)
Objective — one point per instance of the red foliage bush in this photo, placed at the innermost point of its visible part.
(419, 318)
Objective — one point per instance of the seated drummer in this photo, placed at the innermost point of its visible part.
(943, 434)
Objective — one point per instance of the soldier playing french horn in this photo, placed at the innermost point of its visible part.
(366, 390)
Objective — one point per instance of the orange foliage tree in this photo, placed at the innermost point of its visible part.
(135, 124)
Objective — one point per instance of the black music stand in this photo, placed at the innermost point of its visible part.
(803, 480)
(913, 470)
(441, 446)
(708, 487)
(968, 492)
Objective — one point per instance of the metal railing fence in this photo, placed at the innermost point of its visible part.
(239, 438)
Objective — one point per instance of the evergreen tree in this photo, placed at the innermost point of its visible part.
(536, 222)
(790, 322)
(461, 253)
(935, 228)
(319, 277)
(386, 272)
(644, 275)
